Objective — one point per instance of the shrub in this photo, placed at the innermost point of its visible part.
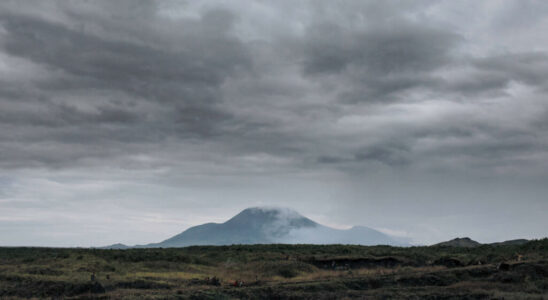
(287, 272)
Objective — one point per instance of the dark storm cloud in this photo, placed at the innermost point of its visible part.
(397, 48)
(117, 83)
(330, 159)
(381, 61)
(387, 154)
(479, 83)
(529, 68)
(491, 76)
(55, 115)
(182, 76)
(391, 154)
(131, 79)
(385, 62)
(202, 121)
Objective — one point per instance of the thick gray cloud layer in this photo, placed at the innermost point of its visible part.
(158, 107)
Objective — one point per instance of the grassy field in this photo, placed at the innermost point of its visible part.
(278, 272)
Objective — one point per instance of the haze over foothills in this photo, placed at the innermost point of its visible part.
(130, 121)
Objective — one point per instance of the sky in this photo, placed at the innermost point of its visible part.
(130, 121)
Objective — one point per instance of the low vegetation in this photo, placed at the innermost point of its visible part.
(277, 271)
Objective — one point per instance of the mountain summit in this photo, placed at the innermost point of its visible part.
(267, 225)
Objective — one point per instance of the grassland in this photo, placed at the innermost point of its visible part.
(278, 272)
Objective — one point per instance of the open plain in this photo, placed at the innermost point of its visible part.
(278, 272)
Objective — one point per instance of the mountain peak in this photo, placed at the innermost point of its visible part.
(273, 217)
(280, 212)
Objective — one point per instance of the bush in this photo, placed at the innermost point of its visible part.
(287, 272)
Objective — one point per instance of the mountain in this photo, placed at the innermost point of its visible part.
(469, 243)
(260, 225)
(510, 242)
(118, 246)
(460, 242)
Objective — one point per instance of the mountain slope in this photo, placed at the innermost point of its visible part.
(273, 225)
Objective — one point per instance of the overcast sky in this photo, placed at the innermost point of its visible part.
(129, 121)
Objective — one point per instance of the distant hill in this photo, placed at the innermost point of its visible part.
(460, 242)
(469, 243)
(261, 225)
(510, 242)
(117, 246)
